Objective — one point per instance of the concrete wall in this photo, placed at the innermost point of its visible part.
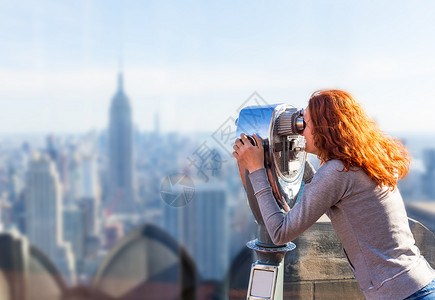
(317, 268)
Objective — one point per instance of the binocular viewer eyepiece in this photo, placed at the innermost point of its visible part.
(291, 122)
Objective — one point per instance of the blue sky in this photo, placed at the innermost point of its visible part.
(195, 62)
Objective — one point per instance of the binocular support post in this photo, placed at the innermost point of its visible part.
(266, 280)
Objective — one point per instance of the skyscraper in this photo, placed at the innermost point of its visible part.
(43, 208)
(90, 198)
(204, 230)
(211, 247)
(121, 198)
(74, 232)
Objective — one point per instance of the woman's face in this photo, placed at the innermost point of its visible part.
(308, 134)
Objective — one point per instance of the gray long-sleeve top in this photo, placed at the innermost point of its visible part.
(371, 223)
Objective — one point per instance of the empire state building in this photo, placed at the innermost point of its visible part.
(121, 195)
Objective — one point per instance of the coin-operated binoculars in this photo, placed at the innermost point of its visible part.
(279, 126)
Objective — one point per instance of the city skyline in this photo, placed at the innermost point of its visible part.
(75, 199)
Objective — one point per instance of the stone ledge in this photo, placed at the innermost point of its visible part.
(323, 290)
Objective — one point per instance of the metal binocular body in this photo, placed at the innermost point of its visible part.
(280, 127)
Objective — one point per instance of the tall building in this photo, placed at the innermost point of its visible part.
(43, 206)
(211, 248)
(204, 230)
(74, 232)
(90, 198)
(121, 197)
(74, 178)
(172, 221)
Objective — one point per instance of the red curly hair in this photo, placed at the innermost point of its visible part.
(342, 130)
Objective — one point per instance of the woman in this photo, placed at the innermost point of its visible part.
(356, 188)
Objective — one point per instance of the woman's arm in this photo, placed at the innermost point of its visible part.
(327, 187)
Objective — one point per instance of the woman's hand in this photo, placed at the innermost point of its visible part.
(249, 156)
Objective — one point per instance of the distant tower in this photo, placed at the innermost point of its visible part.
(121, 196)
(43, 208)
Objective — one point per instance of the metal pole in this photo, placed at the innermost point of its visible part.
(267, 274)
